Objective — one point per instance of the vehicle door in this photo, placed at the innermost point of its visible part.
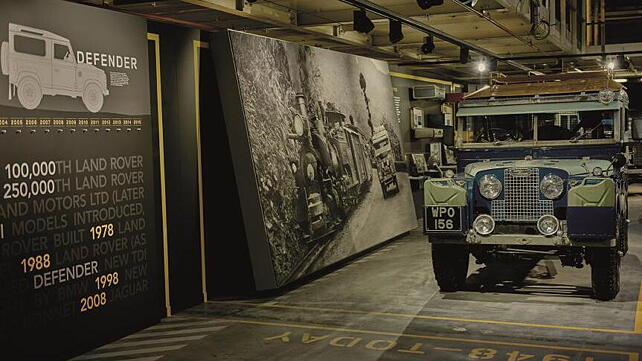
(30, 57)
(63, 67)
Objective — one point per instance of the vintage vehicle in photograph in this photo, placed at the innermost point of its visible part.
(384, 161)
(333, 170)
(39, 63)
(541, 174)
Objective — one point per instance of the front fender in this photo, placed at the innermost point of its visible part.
(443, 192)
(591, 212)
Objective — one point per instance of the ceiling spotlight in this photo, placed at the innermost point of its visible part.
(610, 65)
(470, 3)
(428, 45)
(426, 4)
(482, 66)
(361, 22)
(395, 34)
(464, 55)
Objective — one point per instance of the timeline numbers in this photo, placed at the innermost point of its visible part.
(102, 231)
(29, 171)
(110, 279)
(94, 301)
(36, 263)
(28, 190)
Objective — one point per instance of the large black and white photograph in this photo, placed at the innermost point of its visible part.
(324, 140)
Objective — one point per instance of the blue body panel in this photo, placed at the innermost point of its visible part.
(592, 223)
(467, 156)
(482, 205)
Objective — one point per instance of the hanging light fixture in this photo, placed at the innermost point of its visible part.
(429, 45)
(395, 33)
(361, 22)
(464, 55)
(426, 4)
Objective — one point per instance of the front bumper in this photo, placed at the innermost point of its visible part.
(535, 240)
(580, 229)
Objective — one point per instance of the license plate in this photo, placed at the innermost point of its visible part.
(442, 219)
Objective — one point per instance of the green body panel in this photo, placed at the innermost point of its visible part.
(592, 195)
(443, 192)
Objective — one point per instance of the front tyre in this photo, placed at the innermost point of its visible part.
(605, 273)
(93, 97)
(450, 264)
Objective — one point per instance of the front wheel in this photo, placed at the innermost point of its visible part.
(605, 273)
(450, 264)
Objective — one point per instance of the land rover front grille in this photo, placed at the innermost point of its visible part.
(521, 201)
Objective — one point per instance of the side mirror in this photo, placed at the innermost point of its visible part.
(449, 136)
(618, 160)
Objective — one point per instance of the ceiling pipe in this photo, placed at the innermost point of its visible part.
(417, 25)
(496, 23)
(159, 18)
(533, 57)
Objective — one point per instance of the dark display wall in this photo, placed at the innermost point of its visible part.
(179, 129)
(304, 125)
(79, 252)
(229, 268)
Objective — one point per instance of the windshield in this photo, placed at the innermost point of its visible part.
(541, 127)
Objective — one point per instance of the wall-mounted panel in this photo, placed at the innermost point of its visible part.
(79, 253)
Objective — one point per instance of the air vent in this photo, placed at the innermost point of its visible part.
(431, 92)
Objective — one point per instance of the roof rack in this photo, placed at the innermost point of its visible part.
(501, 79)
(547, 84)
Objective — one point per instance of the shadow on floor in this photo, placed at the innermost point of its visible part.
(513, 277)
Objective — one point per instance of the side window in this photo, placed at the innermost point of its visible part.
(26, 45)
(62, 52)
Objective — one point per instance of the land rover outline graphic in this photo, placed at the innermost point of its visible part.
(45, 72)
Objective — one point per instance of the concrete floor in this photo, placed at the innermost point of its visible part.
(386, 306)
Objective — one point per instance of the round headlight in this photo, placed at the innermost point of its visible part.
(552, 186)
(484, 224)
(597, 171)
(297, 125)
(548, 225)
(490, 187)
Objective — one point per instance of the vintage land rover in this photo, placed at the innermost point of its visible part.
(384, 161)
(39, 63)
(539, 174)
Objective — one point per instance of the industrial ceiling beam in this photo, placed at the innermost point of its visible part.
(286, 19)
(417, 25)
(420, 26)
(487, 17)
